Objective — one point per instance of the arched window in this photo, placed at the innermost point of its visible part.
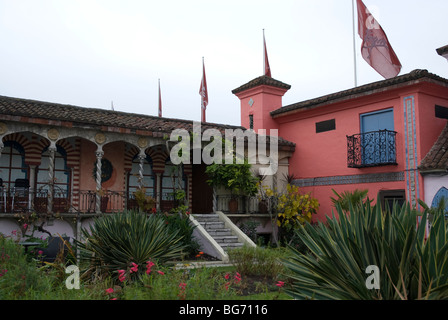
(12, 164)
(61, 173)
(441, 194)
(173, 179)
(148, 176)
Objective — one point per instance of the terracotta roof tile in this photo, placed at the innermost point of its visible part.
(99, 118)
(416, 75)
(263, 80)
(437, 157)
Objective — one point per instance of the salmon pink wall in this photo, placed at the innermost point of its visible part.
(114, 152)
(325, 154)
(265, 99)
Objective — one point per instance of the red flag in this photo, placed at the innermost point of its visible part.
(376, 49)
(203, 93)
(267, 68)
(160, 102)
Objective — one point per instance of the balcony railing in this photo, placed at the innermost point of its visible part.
(377, 148)
(27, 200)
(245, 205)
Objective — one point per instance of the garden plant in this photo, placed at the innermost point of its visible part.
(412, 261)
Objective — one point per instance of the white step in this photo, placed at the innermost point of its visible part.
(217, 230)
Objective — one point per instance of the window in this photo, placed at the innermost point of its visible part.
(441, 112)
(172, 179)
(251, 122)
(324, 126)
(12, 164)
(376, 144)
(148, 176)
(61, 173)
(389, 197)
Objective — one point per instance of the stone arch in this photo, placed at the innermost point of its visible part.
(158, 154)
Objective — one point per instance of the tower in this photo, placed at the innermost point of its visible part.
(258, 98)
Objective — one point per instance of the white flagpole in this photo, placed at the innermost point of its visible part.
(264, 55)
(354, 44)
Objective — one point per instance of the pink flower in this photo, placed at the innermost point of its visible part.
(110, 290)
(40, 252)
(280, 284)
(237, 277)
(121, 275)
(25, 226)
(161, 272)
(182, 294)
(227, 276)
(149, 265)
(134, 268)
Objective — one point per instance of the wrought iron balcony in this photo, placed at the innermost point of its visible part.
(370, 149)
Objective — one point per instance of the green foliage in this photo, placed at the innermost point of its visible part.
(145, 203)
(181, 223)
(180, 284)
(294, 208)
(115, 241)
(258, 261)
(235, 177)
(347, 198)
(411, 266)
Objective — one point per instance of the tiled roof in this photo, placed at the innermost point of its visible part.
(263, 80)
(437, 157)
(17, 109)
(412, 77)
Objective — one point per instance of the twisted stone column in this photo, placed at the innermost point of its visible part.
(99, 157)
(141, 159)
(52, 150)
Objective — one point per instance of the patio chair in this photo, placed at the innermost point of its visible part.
(55, 246)
(20, 193)
(2, 196)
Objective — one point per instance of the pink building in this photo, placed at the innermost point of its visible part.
(370, 137)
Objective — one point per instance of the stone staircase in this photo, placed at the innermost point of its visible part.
(218, 231)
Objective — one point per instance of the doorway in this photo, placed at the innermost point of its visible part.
(202, 202)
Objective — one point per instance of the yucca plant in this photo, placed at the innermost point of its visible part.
(115, 241)
(355, 197)
(412, 263)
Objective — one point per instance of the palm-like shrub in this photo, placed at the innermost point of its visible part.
(412, 263)
(116, 241)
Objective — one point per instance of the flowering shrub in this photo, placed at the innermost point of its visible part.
(292, 207)
(295, 208)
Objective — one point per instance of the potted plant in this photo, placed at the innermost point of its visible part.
(237, 178)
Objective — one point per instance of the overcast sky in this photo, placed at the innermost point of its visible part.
(91, 52)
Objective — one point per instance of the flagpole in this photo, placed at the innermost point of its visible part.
(354, 44)
(160, 103)
(264, 55)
